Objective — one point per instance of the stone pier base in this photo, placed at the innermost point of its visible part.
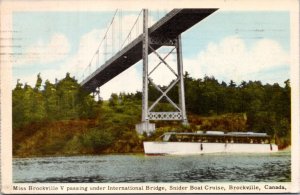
(145, 127)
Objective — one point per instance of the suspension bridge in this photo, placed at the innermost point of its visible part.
(138, 45)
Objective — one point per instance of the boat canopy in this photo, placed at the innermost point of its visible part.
(220, 134)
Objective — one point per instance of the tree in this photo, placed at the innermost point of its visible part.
(51, 101)
(68, 97)
(18, 105)
(38, 83)
(113, 100)
(38, 103)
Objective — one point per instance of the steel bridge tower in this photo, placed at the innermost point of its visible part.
(147, 113)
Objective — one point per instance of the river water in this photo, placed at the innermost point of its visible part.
(137, 168)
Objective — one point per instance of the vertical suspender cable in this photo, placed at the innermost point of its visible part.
(129, 34)
(105, 43)
(120, 28)
(97, 62)
(112, 38)
(105, 49)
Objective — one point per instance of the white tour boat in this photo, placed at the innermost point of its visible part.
(210, 142)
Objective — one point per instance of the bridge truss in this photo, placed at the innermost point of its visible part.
(151, 42)
(165, 32)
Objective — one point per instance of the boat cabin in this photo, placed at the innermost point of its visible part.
(217, 137)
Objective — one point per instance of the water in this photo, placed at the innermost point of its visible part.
(274, 167)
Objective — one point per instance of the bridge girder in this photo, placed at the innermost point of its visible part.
(165, 30)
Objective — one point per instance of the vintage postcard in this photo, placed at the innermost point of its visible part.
(149, 96)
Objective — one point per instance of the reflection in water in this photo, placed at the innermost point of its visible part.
(274, 167)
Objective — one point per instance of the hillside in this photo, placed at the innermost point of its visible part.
(77, 137)
(62, 119)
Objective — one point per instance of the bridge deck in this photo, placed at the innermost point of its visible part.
(170, 26)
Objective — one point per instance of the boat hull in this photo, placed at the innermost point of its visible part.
(187, 148)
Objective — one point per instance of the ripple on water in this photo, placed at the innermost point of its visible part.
(139, 168)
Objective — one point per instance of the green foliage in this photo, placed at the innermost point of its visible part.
(38, 83)
(266, 107)
(60, 101)
(98, 139)
(28, 105)
(62, 118)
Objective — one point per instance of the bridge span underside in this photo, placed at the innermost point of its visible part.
(166, 30)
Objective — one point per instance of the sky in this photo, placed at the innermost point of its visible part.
(229, 45)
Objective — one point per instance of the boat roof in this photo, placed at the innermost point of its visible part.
(222, 134)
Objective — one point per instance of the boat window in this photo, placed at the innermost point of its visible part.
(166, 137)
(215, 138)
(197, 139)
(186, 138)
(173, 138)
(257, 140)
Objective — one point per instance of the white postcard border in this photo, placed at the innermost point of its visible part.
(8, 7)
